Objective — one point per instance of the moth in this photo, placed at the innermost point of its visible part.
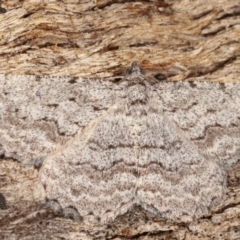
(104, 146)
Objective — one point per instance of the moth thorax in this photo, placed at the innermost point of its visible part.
(137, 94)
(137, 110)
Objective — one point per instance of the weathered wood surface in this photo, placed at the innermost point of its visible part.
(185, 40)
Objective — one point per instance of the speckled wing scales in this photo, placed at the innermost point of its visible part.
(165, 146)
(98, 169)
(143, 150)
(39, 114)
(175, 180)
(200, 122)
(208, 113)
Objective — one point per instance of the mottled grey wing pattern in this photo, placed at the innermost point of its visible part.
(96, 171)
(198, 128)
(143, 150)
(39, 114)
(209, 115)
(165, 146)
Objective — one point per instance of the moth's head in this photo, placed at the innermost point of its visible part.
(134, 76)
(134, 71)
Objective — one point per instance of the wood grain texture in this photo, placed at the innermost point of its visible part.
(184, 40)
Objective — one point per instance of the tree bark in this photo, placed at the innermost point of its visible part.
(182, 39)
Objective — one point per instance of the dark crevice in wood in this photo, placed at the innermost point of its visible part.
(202, 14)
(127, 235)
(27, 15)
(234, 13)
(111, 2)
(201, 71)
